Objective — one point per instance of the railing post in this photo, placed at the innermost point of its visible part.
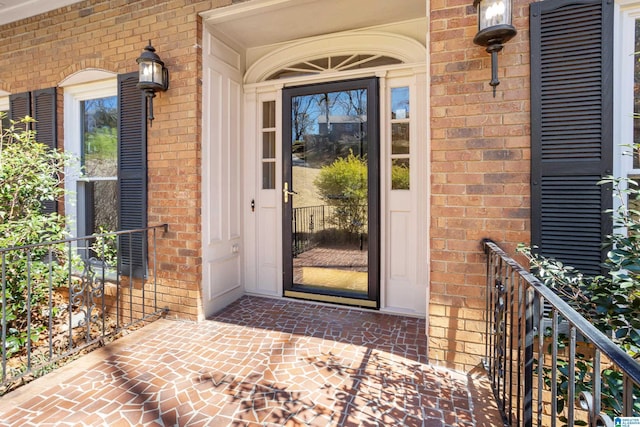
(627, 396)
(50, 315)
(103, 261)
(143, 280)
(29, 309)
(131, 276)
(155, 270)
(522, 339)
(486, 310)
(296, 248)
(70, 306)
(572, 376)
(540, 331)
(597, 386)
(4, 317)
(554, 368)
(527, 407)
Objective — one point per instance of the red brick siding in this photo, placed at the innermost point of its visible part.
(42, 51)
(479, 144)
(479, 171)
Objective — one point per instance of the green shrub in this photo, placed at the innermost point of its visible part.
(30, 173)
(611, 301)
(343, 185)
(399, 176)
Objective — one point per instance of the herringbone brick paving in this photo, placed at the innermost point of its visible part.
(260, 362)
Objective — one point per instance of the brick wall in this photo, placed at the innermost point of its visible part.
(479, 144)
(40, 52)
(479, 171)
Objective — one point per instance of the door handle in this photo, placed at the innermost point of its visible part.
(287, 193)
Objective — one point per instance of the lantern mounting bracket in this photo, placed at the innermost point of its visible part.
(494, 30)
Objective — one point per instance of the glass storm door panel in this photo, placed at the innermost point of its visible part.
(330, 192)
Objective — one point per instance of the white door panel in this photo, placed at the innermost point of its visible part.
(405, 287)
(263, 271)
(221, 179)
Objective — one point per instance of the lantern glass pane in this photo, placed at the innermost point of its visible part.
(146, 72)
(494, 12)
(157, 73)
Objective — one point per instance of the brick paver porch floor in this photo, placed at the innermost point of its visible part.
(260, 362)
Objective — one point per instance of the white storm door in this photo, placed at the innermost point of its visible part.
(221, 175)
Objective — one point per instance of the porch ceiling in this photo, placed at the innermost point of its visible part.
(264, 22)
(14, 10)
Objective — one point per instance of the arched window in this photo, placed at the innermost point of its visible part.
(334, 64)
(336, 53)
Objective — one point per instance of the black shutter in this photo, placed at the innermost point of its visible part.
(44, 111)
(571, 129)
(132, 174)
(20, 106)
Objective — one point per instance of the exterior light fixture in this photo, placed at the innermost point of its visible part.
(494, 29)
(153, 76)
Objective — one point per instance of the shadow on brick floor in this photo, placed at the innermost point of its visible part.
(261, 361)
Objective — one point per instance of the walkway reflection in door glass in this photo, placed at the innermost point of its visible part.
(329, 174)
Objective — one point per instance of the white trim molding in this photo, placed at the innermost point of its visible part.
(624, 61)
(405, 49)
(89, 75)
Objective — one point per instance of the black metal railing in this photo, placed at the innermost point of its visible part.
(547, 364)
(63, 297)
(307, 223)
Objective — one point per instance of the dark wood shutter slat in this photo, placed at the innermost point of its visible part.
(44, 112)
(19, 107)
(571, 135)
(132, 174)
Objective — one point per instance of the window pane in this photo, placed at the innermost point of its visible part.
(400, 174)
(268, 175)
(269, 145)
(400, 138)
(101, 206)
(100, 137)
(269, 114)
(400, 103)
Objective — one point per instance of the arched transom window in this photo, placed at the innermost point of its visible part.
(333, 64)
(335, 53)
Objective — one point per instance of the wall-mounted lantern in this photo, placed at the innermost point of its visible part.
(153, 76)
(494, 29)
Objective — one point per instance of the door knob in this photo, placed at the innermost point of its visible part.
(287, 192)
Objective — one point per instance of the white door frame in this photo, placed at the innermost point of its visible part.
(250, 260)
(403, 274)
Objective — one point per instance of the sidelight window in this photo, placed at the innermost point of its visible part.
(400, 138)
(268, 145)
